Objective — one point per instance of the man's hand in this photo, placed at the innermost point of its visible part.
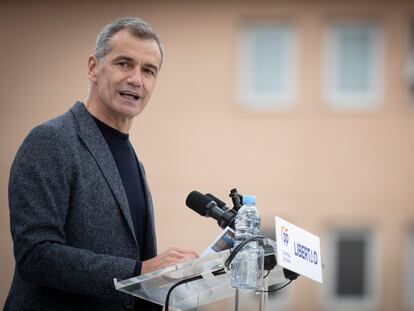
(167, 258)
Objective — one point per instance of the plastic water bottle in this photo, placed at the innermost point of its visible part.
(246, 268)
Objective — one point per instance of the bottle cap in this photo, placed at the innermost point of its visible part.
(249, 199)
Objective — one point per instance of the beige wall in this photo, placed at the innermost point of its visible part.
(316, 167)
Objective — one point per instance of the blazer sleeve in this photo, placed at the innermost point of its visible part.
(39, 200)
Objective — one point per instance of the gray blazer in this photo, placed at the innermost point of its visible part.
(70, 220)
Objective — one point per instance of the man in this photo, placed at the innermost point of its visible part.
(80, 208)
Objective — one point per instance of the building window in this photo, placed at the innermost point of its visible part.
(410, 62)
(268, 65)
(351, 264)
(351, 270)
(354, 65)
(410, 271)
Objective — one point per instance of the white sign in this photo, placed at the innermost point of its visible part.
(298, 250)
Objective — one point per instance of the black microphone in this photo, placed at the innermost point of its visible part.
(219, 202)
(207, 207)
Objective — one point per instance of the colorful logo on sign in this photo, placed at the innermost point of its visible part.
(285, 235)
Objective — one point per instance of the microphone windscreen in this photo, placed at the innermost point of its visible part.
(198, 202)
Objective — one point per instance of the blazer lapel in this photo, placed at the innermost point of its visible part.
(97, 146)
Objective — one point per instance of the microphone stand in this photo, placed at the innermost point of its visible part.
(263, 296)
(237, 299)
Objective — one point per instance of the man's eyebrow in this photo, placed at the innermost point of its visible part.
(131, 60)
(124, 58)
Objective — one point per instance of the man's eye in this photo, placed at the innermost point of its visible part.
(124, 64)
(149, 71)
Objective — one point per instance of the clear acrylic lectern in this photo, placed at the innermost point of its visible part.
(212, 287)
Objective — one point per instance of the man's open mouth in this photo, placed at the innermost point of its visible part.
(129, 95)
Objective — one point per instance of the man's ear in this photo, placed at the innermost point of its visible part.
(92, 67)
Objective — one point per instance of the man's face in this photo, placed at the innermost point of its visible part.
(123, 80)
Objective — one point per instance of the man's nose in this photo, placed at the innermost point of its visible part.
(135, 77)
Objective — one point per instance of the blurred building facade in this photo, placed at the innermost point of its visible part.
(307, 104)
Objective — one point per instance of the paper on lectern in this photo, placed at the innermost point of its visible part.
(224, 240)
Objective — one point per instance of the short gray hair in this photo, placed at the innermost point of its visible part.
(136, 26)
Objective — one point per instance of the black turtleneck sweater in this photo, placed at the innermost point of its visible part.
(127, 163)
